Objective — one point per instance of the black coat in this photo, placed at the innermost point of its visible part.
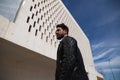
(69, 64)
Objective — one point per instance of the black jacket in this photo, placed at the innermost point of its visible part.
(69, 64)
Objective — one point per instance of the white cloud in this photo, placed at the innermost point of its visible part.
(107, 65)
(103, 54)
(102, 65)
(109, 70)
(96, 46)
(8, 8)
(115, 61)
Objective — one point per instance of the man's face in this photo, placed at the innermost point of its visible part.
(59, 33)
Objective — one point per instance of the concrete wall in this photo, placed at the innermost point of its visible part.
(18, 63)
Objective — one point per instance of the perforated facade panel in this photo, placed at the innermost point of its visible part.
(39, 19)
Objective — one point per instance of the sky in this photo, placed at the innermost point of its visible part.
(8, 8)
(100, 21)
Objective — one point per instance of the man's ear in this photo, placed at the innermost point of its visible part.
(65, 31)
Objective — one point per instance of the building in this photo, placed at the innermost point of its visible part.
(28, 44)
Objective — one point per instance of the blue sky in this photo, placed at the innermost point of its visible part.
(100, 20)
(8, 8)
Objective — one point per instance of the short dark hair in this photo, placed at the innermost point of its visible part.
(63, 26)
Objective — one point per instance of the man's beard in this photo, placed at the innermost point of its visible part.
(60, 37)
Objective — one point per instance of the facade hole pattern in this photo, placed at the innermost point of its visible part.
(43, 18)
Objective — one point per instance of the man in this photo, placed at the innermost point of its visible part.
(69, 64)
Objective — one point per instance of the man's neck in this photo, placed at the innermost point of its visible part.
(65, 35)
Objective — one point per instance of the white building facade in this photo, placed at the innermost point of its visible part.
(28, 45)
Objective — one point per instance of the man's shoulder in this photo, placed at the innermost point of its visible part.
(69, 39)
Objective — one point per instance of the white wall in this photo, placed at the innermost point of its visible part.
(19, 63)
